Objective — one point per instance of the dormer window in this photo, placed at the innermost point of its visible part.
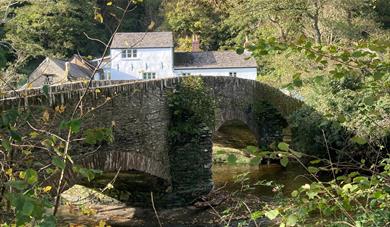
(129, 53)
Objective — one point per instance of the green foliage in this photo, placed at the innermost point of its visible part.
(72, 125)
(192, 109)
(383, 9)
(23, 180)
(348, 97)
(98, 135)
(308, 129)
(3, 57)
(47, 28)
(199, 17)
(351, 199)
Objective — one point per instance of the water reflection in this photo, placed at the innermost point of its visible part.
(291, 177)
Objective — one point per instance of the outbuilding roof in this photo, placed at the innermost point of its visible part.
(213, 59)
(142, 40)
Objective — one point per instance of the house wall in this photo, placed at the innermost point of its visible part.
(155, 60)
(245, 73)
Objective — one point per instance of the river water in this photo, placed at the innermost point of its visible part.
(228, 180)
(290, 177)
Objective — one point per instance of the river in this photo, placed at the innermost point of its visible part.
(234, 184)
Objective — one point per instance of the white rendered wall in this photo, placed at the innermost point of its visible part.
(154, 60)
(245, 73)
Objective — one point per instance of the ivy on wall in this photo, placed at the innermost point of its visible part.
(192, 109)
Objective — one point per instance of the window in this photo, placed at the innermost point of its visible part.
(48, 79)
(106, 75)
(129, 53)
(186, 74)
(233, 74)
(149, 76)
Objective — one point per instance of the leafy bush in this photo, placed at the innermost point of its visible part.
(312, 132)
(352, 199)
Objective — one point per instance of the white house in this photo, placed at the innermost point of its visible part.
(135, 56)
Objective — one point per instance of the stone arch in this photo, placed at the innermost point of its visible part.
(124, 161)
(113, 162)
(262, 118)
(236, 133)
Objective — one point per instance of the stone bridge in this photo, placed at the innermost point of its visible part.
(139, 115)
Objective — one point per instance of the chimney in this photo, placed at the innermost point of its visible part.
(247, 43)
(195, 43)
(67, 70)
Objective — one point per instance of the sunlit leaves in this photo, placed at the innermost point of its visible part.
(99, 17)
(312, 169)
(272, 214)
(60, 109)
(46, 116)
(359, 140)
(47, 189)
(284, 161)
(283, 146)
(151, 25)
(294, 193)
(256, 215)
(31, 176)
(291, 220)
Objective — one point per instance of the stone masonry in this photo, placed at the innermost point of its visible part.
(138, 113)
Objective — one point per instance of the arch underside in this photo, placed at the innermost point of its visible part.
(232, 115)
(124, 161)
(118, 161)
(266, 132)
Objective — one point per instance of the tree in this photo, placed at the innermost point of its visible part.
(48, 28)
(382, 7)
(199, 17)
(321, 20)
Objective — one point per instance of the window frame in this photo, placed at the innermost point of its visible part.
(129, 53)
(49, 79)
(233, 74)
(149, 75)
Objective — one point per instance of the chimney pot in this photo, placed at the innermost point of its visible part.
(195, 43)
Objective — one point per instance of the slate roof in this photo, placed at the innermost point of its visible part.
(212, 59)
(75, 71)
(57, 68)
(142, 40)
